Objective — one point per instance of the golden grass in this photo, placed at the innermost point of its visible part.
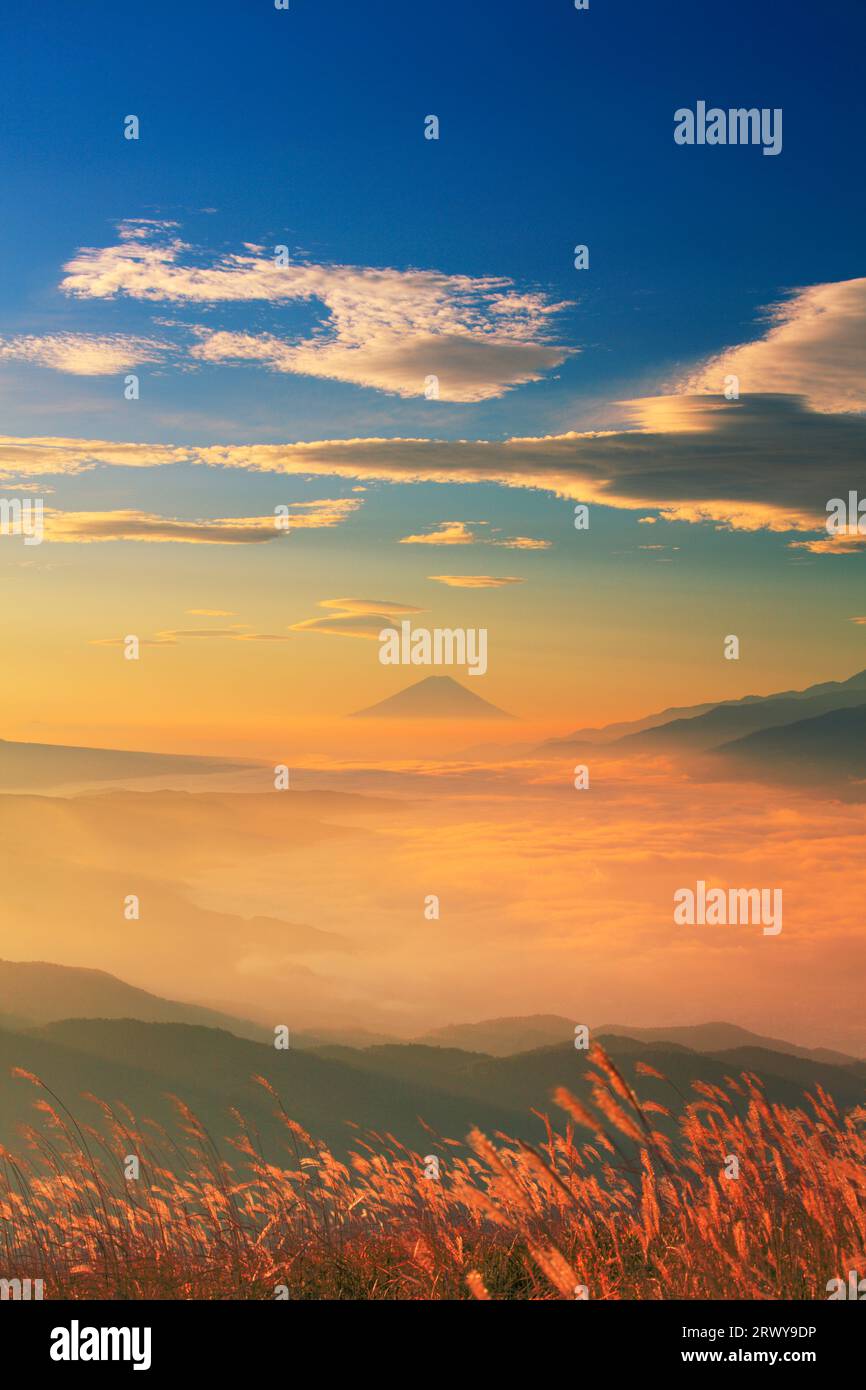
(609, 1203)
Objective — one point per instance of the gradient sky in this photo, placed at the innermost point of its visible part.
(305, 128)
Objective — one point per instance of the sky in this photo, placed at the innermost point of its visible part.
(283, 301)
(302, 385)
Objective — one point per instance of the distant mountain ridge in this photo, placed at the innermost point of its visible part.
(808, 750)
(720, 727)
(398, 1089)
(35, 993)
(705, 726)
(502, 1037)
(208, 1060)
(27, 766)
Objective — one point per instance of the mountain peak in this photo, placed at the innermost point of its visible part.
(434, 697)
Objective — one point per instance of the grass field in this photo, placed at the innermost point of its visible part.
(607, 1208)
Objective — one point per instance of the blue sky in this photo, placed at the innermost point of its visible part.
(305, 128)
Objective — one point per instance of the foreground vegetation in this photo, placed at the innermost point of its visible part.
(606, 1207)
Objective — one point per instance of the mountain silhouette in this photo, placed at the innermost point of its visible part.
(435, 697)
(500, 1037)
(503, 1037)
(705, 726)
(36, 992)
(829, 745)
(30, 766)
(399, 1088)
(725, 723)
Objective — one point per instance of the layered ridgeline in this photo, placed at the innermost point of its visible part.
(447, 1081)
(812, 735)
(34, 766)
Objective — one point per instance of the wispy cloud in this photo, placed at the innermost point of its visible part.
(88, 527)
(384, 328)
(83, 354)
(356, 617)
(369, 605)
(476, 581)
(173, 637)
(839, 544)
(462, 533)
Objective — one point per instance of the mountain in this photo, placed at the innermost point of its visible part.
(36, 992)
(831, 746)
(715, 723)
(318, 1038)
(610, 733)
(503, 1037)
(726, 1037)
(500, 1037)
(26, 766)
(525, 1080)
(404, 1090)
(726, 723)
(143, 1064)
(435, 697)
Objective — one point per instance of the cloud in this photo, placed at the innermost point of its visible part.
(369, 605)
(840, 544)
(446, 533)
(52, 456)
(321, 514)
(345, 625)
(522, 543)
(82, 354)
(475, 581)
(88, 527)
(357, 617)
(121, 641)
(383, 328)
(467, 367)
(179, 634)
(762, 462)
(815, 348)
(461, 533)
(172, 637)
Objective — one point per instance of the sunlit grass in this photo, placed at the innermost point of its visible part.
(607, 1203)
